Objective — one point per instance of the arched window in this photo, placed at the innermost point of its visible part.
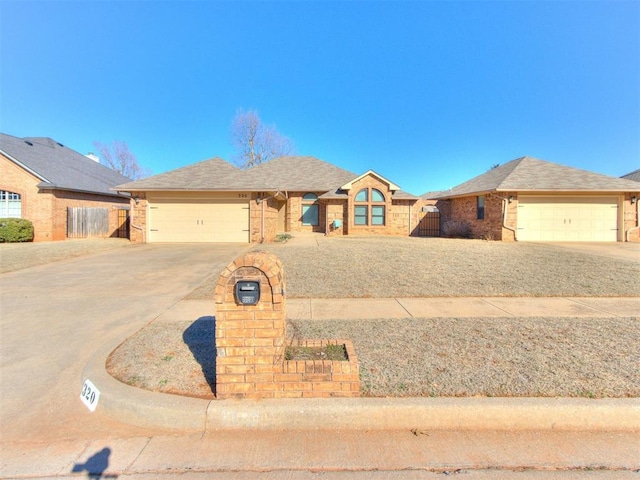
(10, 205)
(310, 209)
(370, 207)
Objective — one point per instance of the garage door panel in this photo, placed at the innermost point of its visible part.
(568, 219)
(199, 220)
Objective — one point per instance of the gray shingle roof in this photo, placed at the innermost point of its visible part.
(293, 173)
(213, 174)
(284, 173)
(58, 166)
(431, 195)
(528, 174)
(635, 176)
(297, 174)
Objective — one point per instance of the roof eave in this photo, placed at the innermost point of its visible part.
(51, 186)
(569, 191)
(23, 166)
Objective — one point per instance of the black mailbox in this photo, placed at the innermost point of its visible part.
(247, 292)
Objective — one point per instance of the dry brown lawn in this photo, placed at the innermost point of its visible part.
(378, 267)
(532, 357)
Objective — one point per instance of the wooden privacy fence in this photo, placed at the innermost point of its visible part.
(83, 222)
(429, 225)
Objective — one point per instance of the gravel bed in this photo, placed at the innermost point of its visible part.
(377, 267)
(442, 357)
(16, 256)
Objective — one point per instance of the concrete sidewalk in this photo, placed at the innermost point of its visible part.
(454, 307)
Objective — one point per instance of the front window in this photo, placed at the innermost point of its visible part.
(370, 207)
(310, 209)
(10, 204)
(361, 216)
(480, 209)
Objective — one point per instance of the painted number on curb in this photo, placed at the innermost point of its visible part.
(90, 395)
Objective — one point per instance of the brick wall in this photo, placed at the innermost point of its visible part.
(335, 210)
(294, 213)
(251, 341)
(465, 209)
(36, 207)
(630, 218)
(401, 216)
(267, 209)
(138, 217)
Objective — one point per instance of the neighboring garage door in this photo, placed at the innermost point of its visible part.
(568, 219)
(198, 220)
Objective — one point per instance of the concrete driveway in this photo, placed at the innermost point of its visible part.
(54, 317)
(623, 250)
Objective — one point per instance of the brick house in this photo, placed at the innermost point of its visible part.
(213, 201)
(40, 179)
(533, 200)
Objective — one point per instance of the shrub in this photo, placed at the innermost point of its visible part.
(456, 229)
(15, 230)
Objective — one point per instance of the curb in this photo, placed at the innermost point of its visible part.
(158, 410)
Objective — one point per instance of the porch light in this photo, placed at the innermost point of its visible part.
(510, 198)
(633, 200)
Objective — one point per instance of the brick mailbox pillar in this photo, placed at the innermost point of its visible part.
(251, 341)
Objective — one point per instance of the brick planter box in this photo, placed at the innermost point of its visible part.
(322, 378)
(250, 341)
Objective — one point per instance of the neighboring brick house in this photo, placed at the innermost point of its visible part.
(41, 178)
(533, 200)
(213, 201)
(635, 176)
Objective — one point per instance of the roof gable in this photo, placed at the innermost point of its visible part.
(59, 167)
(349, 185)
(528, 174)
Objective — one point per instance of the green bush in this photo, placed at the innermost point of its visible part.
(15, 230)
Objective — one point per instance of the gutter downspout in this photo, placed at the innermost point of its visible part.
(505, 202)
(637, 222)
(262, 200)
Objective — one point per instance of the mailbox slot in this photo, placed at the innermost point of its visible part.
(247, 292)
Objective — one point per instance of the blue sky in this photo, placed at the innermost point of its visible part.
(427, 94)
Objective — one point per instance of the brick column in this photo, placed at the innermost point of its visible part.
(250, 340)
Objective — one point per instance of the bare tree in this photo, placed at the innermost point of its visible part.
(118, 157)
(255, 142)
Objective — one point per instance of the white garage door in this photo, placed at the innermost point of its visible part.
(568, 219)
(198, 220)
